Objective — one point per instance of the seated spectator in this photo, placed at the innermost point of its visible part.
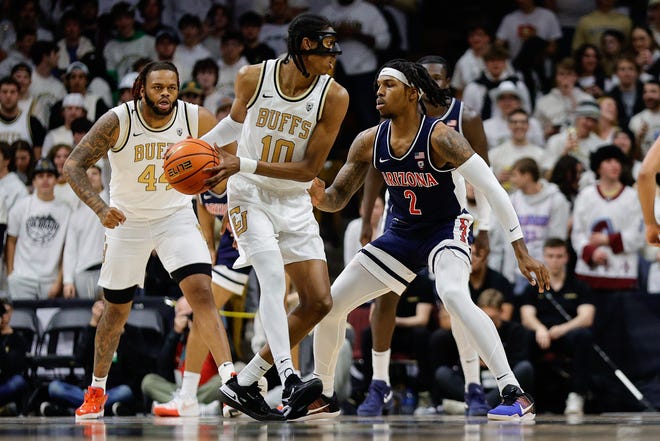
(23, 161)
(15, 123)
(191, 92)
(506, 154)
(46, 89)
(469, 67)
(646, 52)
(216, 23)
(162, 385)
(591, 26)
(645, 125)
(73, 106)
(191, 48)
(151, 13)
(205, 73)
(167, 41)
(231, 61)
(553, 332)
(482, 277)
(624, 140)
(63, 191)
(13, 362)
(73, 44)
(125, 88)
(507, 97)
(255, 51)
(35, 239)
(566, 174)
(556, 110)
(591, 76)
(65, 397)
(629, 89)
(608, 121)
(449, 382)
(11, 187)
(612, 46)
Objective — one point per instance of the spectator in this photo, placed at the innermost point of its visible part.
(566, 175)
(503, 157)
(653, 19)
(73, 106)
(449, 381)
(191, 92)
(205, 73)
(63, 191)
(629, 90)
(128, 44)
(127, 363)
(217, 22)
(20, 51)
(646, 52)
(471, 64)
(607, 236)
(612, 46)
(276, 26)
(542, 210)
(15, 123)
(83, 248)
(608, 122)
(556, 110)
(476, 94)
(553, 333)
(591, 76)
(13, 363)
(76, 81)
(125, 88)
(645, 125)
(255, 51)
(151, 12)
(174, 10)
(73, 44)
(35, 238)
(631, 168)
(590, 27)
(99, 80)
(167, 42)
(362, 31)
(578, 140)
(22, 73)
(525, 22)
(161, 385)
(568, 13)
(231, 61)
(191, 48)
(483, 277)
(11, 187)
(507, 98)
(46, 89)
(24, 160)
(223, 107)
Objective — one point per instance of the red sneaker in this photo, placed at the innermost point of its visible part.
(92, 407)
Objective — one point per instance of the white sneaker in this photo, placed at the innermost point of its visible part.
(574, 404)
(210, 409)
(179, 406)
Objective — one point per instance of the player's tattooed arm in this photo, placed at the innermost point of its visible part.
(352, 174)
(101, 137)
(449, 147)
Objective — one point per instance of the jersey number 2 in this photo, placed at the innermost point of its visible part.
(412, 208)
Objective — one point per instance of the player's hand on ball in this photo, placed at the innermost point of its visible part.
(229, 165)
(317, 191)
(111, 217)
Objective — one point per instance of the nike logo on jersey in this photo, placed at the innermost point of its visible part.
(137, 134)
(511, 230)
(381, 160)
(266, 96)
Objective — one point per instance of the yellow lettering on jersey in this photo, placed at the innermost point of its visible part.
(295, 122)
(238, 220)
(262, 117)
(284, 122)
(150, 151)
(139, 153)
(306, 126)
(280, 144)
(285, 119)
(148, 177)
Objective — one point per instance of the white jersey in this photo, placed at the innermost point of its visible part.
(17, 128)
(277, 127)
(138, 186)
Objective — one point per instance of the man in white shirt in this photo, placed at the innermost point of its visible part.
(471, 64)
(231, 61)
(528, 21)
(645, 125)
(191, 48)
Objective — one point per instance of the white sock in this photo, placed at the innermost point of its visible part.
(190, 384)
(284, 368)
(225, 370)
(99, 382)
(381, 365)
(253, 371)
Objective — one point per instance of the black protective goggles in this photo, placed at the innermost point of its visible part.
(327, 44)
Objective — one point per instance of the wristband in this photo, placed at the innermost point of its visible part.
(247, 165)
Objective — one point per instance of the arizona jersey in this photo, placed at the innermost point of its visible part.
(216, 204)
(418, 191)
(278, 127)
(137, 184)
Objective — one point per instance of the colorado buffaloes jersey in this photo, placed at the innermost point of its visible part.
(278, 127)
(216, 204)
(419, 192)
(137, 185)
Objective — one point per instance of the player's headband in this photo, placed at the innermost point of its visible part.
(327, 44)
(397, 74)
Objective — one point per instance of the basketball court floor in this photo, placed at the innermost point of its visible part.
(606, 427)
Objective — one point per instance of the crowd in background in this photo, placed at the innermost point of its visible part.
(568, 93)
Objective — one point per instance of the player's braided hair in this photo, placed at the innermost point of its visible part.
(420, 79)
(141, 79)
(304, 25)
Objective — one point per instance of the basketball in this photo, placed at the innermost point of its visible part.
(184, 163)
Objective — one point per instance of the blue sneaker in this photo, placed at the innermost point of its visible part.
(475, 400)
(516, 405)
(378, 398)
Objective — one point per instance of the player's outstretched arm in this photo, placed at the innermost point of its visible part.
(101, 138)
(646, 190)
(350, 176)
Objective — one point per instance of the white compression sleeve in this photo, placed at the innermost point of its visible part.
(226, 131)
(478, 174)
(483, 210)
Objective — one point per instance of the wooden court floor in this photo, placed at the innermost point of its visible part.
(607, 427)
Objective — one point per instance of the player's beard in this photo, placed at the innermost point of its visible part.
(154, 106)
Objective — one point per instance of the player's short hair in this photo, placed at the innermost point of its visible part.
(310, 26)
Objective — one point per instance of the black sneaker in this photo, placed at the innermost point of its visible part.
(322, 408)
(248, 399)
(297, 395)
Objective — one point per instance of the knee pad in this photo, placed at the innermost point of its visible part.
(119, 296)
(195, 268)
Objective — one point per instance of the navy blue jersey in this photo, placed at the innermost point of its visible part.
(216, 204)
(418, 191)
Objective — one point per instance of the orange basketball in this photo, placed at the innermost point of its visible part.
(184, 162)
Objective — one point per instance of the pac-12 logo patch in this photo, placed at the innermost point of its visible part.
(309, 105)
(179, 131)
